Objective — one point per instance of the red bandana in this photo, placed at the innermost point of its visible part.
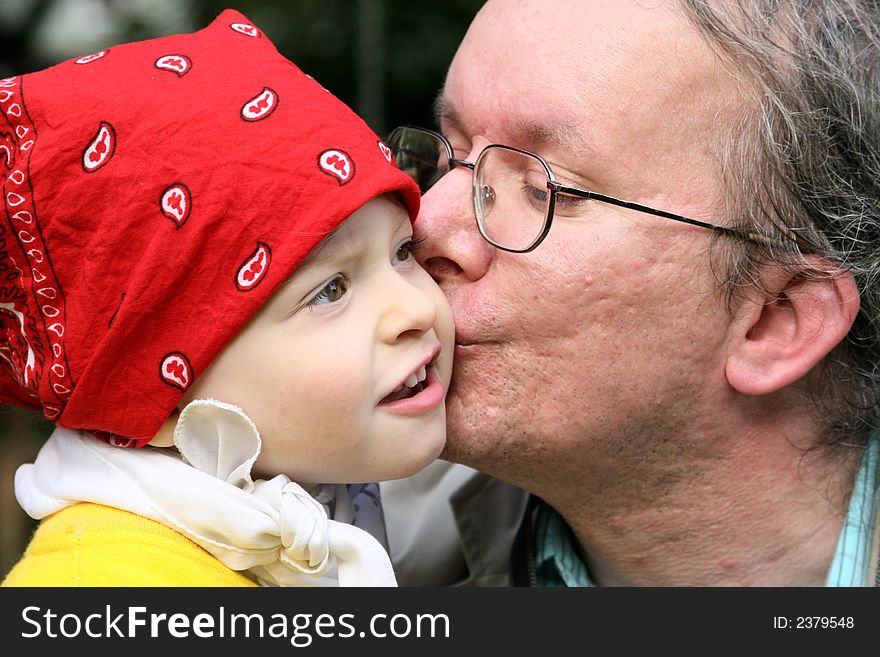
(156, 194)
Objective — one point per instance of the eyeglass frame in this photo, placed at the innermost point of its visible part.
(555, 187)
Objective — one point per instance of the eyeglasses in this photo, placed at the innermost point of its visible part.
(516, 194)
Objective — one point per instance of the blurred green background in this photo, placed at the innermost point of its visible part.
(385, 58)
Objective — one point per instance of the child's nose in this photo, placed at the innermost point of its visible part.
(407, 308)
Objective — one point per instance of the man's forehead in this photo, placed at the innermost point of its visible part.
(584, 77)
(636, 107)
(518, 126)
(580, 44)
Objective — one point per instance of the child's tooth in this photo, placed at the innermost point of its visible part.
(411, 380)
(422, 373)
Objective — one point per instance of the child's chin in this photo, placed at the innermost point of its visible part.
(416, 463)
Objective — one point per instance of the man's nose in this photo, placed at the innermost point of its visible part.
(452, 247)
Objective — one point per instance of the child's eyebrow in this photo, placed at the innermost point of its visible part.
(328, 251)
(332, 249)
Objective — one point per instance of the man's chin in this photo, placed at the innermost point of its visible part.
(465, 452)
(455, 454)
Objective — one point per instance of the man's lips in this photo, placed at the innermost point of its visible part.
(464, 338)
(470, 340)
(475, 347)
(477, 333)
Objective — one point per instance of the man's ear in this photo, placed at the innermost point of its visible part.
(786, 329)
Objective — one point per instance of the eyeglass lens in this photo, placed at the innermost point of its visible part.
(419, 154)
(510, 187)
(510, 197)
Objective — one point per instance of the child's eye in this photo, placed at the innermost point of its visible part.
(407, 250)
(330, 293)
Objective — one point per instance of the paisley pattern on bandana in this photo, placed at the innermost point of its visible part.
(246, 28)
(176, 203)
(176, 370)
(260, 106)
(178, 64)
(254, 268)
(100, 149)
(338, 164)
(88, 59)
(32, 309)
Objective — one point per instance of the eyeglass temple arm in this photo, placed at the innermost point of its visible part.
(452, 161)
(582, 193)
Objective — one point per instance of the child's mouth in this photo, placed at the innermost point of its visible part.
(409, 388)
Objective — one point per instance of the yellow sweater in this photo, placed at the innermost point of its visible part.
(93, 545)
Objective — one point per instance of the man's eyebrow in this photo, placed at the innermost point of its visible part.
(528, 131)
(541, 133)
(443, 112)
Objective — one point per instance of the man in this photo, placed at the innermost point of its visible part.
(686, 386)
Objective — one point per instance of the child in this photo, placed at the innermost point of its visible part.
(209, 286)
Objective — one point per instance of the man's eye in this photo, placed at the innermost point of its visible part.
(572, 206)
(535, 195)
(330, 293)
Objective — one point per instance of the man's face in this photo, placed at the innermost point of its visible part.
(610, 334)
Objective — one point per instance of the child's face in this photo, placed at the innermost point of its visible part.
(315, 366)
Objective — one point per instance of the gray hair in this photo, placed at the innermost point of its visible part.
(804, 162)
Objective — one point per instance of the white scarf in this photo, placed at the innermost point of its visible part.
(272, 529)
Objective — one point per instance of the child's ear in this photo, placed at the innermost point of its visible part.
(786, 329)
(165, 436)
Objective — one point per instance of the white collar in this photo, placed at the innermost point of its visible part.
(272, 529)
